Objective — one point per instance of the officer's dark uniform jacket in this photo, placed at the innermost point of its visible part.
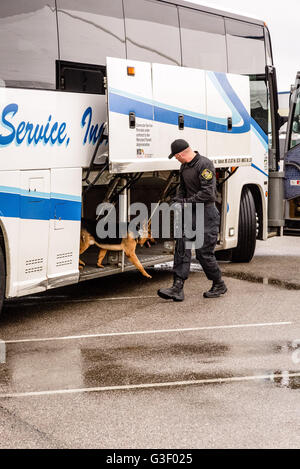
(198, 185)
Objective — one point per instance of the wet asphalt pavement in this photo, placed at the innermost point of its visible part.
(108, 364)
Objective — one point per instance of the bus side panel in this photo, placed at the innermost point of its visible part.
(65, 217)
(256, 175)
(179, 93)
(34, 231)
(10, 218)
(48, 129)
(228, 109)
(130, 95)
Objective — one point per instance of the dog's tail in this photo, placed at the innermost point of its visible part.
(109, 247)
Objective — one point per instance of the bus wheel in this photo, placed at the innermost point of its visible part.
(2, 278)
(245, 249)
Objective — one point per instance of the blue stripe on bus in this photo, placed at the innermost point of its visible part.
(44, 195)
(9, 205)
(260, 133)
(65, 209)
(260, 170)
(14, 205)
(170, 117)
(239, 107)
(34, 208)
(123, 103)
(71, 198)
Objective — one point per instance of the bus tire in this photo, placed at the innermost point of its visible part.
(245, 249)
(2, 278)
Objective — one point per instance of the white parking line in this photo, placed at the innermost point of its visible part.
(159, 331)
(269, 377)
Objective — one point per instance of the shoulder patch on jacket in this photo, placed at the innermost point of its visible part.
(207, 174)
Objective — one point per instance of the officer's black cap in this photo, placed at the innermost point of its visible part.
(177, 147)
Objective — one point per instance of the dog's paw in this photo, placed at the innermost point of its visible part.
(100, 266)
(148, 276)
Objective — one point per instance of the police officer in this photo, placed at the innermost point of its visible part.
(197, 185)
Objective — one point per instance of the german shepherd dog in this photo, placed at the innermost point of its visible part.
(89, 238)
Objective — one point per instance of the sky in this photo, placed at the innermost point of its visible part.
(283, 21)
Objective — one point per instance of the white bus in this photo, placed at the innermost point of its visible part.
(199, 73)
(292, 161)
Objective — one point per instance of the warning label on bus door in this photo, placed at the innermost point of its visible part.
(144, 140)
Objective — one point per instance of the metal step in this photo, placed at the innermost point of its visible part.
(91, 271)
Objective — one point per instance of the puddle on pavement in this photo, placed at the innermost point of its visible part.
(149, 364)
(285, 380)
(248, 277)
(89, 366)
(286, 347)
(245, 276)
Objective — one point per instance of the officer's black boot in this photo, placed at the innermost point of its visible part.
(217, 289)
(174, 293)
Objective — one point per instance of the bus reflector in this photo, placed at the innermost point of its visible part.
(131, 71)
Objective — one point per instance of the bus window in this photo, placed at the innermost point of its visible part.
(28, 43)
(90, 30)
(259, 101)
(152, 32)
(245, 47)
(81, 78)
(295, 135)
(203, 40)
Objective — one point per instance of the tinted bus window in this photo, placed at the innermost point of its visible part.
(259, 101)
(246, 47)
(91, 30)
(28, 43)
(80, 78)
(152, 32)
(203, 40)
(295, 135)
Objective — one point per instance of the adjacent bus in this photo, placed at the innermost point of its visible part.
(292, 161)
(64, 70)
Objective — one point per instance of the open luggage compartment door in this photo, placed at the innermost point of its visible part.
(130, 115)
(150, 105)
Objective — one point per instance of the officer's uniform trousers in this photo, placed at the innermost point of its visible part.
(206, 254)
(198, 185)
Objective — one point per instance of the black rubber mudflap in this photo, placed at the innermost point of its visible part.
(245, 249)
